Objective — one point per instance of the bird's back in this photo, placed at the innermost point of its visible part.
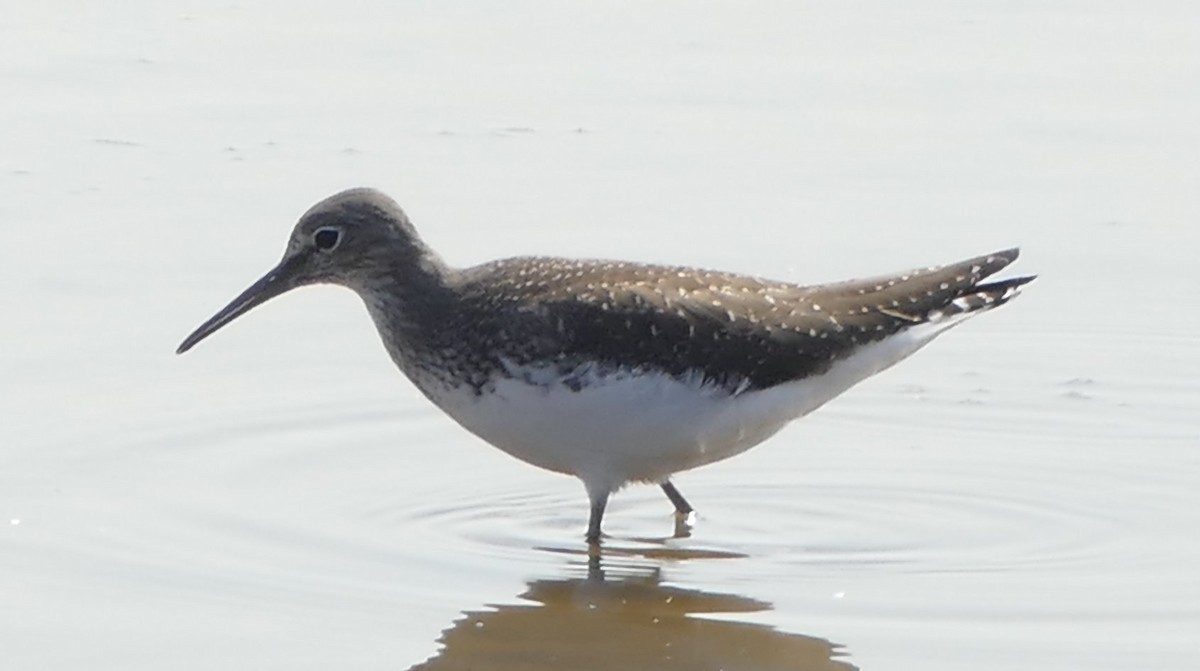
(731, 330)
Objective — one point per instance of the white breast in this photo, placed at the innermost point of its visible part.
(630, 425)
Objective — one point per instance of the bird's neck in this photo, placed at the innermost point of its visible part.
(413, 305)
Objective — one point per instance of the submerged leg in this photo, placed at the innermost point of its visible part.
(681, 505)
(599, 499)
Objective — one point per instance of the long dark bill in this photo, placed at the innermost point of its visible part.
(271, 285)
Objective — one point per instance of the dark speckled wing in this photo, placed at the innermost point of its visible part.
(737, 331)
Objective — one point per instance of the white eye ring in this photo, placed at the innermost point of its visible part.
(327, 238)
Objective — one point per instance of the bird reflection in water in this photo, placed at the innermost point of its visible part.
(621, 616)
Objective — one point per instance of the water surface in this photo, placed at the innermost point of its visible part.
(1022, 494)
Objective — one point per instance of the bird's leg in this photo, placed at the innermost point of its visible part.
(599, 499)
(681, 505)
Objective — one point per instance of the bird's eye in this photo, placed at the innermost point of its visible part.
(327, 238)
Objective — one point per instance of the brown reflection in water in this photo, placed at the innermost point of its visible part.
(628, 621)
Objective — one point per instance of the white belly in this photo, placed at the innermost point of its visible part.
(626, 427)
(621, 429)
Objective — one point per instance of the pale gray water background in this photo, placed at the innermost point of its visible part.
(1022, 494)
